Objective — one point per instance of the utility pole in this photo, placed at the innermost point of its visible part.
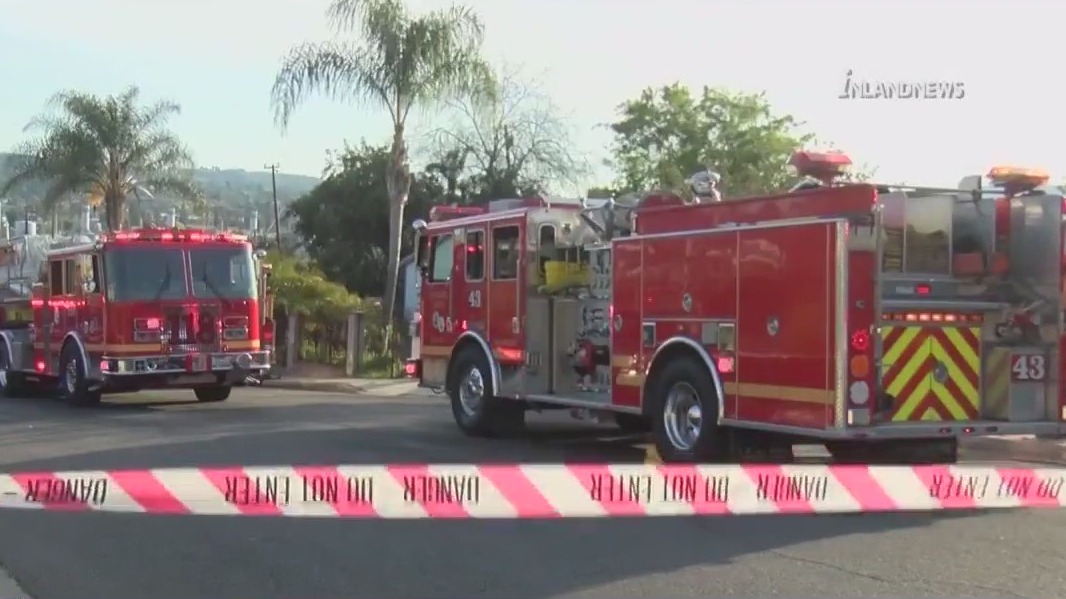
(277, 214)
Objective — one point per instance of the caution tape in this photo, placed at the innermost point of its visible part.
(535, 491)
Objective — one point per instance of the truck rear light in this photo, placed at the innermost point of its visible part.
(859, 393)
(412, 368)
(859, 367)
(860, 340)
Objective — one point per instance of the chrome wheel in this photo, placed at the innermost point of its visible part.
(472, 391)
(682, 416)
(70, 376)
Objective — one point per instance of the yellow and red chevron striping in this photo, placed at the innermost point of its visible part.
(933, 372)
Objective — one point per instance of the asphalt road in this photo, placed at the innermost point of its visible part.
(119, 556)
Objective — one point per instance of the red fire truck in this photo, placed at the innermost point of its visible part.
(140, 309)
(885, 322)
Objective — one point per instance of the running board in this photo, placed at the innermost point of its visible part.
(595, 401)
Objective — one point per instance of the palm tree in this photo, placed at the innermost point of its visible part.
(106, 148)
(401, 62)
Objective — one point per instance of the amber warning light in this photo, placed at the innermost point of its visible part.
(823, 166)
(1015, 180)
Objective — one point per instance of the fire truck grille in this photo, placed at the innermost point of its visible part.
(192, 331)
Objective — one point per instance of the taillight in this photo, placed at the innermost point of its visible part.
(235, 327)
(859, 367)
(411, 368)
(860, 340)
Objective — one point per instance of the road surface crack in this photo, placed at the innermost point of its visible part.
(894, 581)
(832, 566)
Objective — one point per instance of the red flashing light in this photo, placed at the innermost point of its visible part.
(824, 166)
(923, 289)
(39, 365)
(440, 213)
(178, 235)
(860, 340)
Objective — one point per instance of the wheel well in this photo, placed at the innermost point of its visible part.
(464, 343)
(671, 353)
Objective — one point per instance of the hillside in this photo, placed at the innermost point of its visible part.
(235, 191)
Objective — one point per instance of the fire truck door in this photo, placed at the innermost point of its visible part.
(91, 309)
(470, 293)
(505, 288)
(62, 300)
(438, 321)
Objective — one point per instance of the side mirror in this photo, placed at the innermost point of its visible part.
(89, 286)
(260, 254)
(418, 225)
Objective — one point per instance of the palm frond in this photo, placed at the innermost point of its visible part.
(341, 71)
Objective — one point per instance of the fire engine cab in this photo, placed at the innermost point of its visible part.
(138, 309)
(885, 322)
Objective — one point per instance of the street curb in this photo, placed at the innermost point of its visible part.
(1024, 449)
(9, 589)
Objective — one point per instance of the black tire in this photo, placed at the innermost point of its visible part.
(212, 394)
(73, 380)
(711, 443)
(634, 423)
(11, 383)
(491, 416)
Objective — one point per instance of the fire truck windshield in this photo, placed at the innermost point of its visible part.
(223, 272)
(137, 273)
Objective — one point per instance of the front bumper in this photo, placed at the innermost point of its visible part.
(188, 363)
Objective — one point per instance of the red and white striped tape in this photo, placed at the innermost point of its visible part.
(535, 491)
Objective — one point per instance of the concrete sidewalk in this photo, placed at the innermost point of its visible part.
(386, 387)
(1023, 448)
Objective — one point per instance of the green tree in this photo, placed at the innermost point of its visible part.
(510, 144)
(402, 62)
(108, 148)
(344, 221)
(667, 134)
(300, 287)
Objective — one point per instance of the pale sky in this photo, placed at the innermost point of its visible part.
(218, 59)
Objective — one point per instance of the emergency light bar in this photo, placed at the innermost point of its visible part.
(823, 166)
(441, 213)
(193, 235)
(1016, 180)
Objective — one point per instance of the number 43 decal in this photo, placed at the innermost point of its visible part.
(1028, 367)
(475, 298)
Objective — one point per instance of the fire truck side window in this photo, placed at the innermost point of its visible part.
(443, 258)
(505, 253)
(475, 255)
(57, 277)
